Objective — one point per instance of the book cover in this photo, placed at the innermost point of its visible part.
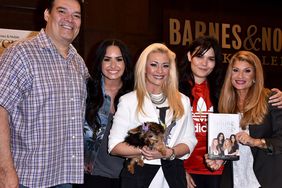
(222, 143)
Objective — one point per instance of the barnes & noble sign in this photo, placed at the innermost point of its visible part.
(263, 39)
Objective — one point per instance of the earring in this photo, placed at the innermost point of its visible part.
(254, 81)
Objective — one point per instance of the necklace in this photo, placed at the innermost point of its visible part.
(157, 98)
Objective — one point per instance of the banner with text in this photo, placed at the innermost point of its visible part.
(257, 33)
(261, 36)
(8, 36)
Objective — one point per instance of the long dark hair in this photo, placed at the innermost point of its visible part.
(95, 96)
(186, 79)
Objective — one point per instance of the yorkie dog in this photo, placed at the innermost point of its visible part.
(148, 134)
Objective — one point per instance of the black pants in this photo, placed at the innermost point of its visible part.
(174, 173)
(99, 182)
(206, 181)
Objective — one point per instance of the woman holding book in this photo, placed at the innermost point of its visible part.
(260, 137)
(200, 79)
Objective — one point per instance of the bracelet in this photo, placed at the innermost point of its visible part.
(172, 156)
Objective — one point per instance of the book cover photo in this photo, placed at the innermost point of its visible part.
(222, 143)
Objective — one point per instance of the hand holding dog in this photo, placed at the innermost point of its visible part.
(154, 154)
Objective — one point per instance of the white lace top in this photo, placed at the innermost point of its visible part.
(244, 176)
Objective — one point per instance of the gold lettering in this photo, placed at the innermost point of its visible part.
(251, 40)
(226, 57)
(225, 36)
(271, 60)
(236, 44)
(264, 61)
(266, 39)
(214, 30)
(174, 32)
(200, 28)
(233, 37)
(274, 60)
(187, 33)
(277, 40)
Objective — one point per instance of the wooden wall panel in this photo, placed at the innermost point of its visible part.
(19, 4)
(18, 14)
(137, 23)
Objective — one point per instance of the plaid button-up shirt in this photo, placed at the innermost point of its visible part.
(44, 94)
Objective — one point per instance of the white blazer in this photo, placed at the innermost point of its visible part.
(126, 118)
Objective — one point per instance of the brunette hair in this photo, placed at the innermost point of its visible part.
(95, 96)
(186, 81)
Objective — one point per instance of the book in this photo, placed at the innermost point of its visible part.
(222, 143)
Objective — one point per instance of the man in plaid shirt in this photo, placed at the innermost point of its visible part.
(42, 104)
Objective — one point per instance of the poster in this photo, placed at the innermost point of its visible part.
(8, 36)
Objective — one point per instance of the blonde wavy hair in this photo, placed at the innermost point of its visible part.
(255, 104)
(170, 87)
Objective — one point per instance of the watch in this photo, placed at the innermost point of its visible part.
(172, 157)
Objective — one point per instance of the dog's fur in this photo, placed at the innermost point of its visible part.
(148, 134)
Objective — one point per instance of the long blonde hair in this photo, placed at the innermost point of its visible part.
(255, 103)
(170, 87)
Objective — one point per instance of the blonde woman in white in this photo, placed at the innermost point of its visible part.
(155, 99)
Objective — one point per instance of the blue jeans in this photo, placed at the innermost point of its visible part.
(57, 186)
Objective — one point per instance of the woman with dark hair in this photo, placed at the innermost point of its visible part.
(201, 80)
(221, 139)
(235, 145)
(191, 73)
(111, 77)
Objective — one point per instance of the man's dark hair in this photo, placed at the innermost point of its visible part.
(50, 4)
(42, 5)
